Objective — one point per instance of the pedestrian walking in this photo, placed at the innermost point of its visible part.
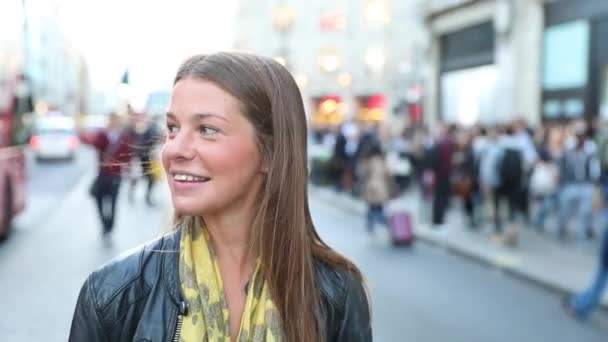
(244, 262)
(510, 166)
(583, 304)
(376, 184)
(579, 175)
(465, 177)
(544, 187)
(114, 152)
(442, 166)
(144, 137)
(344, 157)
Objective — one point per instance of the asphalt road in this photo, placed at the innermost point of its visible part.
(418, 294)
(426, 294)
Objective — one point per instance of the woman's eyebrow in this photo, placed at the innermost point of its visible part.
(198, 116)
(201, 116)
(171, 116)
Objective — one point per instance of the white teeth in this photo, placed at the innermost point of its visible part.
(187, 178)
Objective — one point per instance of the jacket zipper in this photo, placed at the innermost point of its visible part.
(183, 310)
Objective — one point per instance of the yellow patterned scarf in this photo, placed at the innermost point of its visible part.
(201, 283)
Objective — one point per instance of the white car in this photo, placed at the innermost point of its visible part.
(54, 137)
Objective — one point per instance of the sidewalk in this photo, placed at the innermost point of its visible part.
(539, 258)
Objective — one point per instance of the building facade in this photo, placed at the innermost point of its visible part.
(53, 66)
(485, 61)
(575, 63)
(356, 59)
(11, 50)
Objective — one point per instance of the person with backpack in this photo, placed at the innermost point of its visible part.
(523, 134)
(510, 166)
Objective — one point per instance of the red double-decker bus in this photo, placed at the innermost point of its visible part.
(13, 171)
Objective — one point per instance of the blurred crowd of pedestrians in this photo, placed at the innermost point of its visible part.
(506, 173)
(552, 178)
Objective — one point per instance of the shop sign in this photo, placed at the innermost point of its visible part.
(332, 21)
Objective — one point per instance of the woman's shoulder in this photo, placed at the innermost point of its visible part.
(337, 284)
(137, 265)
(345, 303)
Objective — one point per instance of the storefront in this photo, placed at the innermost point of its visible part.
(329, 111)
(371, 108)
(485, 62)
(575, 60)
(467, 75)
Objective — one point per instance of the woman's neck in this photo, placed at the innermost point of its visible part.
(230, 239)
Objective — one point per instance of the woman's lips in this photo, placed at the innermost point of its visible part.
(180, 185)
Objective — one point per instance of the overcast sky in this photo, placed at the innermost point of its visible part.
(149, 37)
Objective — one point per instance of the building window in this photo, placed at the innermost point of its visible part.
(470, 47)
(468, 96)
(566, 56)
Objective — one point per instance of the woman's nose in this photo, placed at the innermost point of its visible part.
(178, 147)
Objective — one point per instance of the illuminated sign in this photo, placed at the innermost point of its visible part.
(332, 21)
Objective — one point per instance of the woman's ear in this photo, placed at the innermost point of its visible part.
(264, 167)
(265, 162)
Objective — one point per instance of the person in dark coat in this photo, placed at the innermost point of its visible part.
(145, 137)
(114, 151)
(442, 160)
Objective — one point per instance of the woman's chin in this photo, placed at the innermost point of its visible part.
(186, 208)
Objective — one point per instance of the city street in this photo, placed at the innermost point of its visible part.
(418, 294)
(56, 243)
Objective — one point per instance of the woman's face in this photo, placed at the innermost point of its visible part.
(211, 157)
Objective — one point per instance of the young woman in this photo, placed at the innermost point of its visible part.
(245, 262)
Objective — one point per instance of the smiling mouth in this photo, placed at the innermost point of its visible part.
(183, 177)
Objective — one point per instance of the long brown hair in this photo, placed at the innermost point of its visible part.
(283, 235)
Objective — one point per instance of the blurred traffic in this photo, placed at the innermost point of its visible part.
(458, 151)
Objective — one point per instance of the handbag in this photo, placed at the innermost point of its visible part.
(462, 186)
(543, 181)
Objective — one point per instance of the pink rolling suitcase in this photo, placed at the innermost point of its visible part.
(401, 228)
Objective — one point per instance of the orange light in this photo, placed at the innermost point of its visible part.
(329, 106)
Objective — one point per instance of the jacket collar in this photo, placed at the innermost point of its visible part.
(170, 265)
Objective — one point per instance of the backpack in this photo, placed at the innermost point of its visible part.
(510, 168)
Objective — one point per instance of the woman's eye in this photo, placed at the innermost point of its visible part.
(171, 128)
(209, 131)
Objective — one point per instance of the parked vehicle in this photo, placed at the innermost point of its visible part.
(54, 136)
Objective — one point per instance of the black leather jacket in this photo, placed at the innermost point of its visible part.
(137, 297)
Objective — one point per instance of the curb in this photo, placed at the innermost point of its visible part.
(317, 193)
